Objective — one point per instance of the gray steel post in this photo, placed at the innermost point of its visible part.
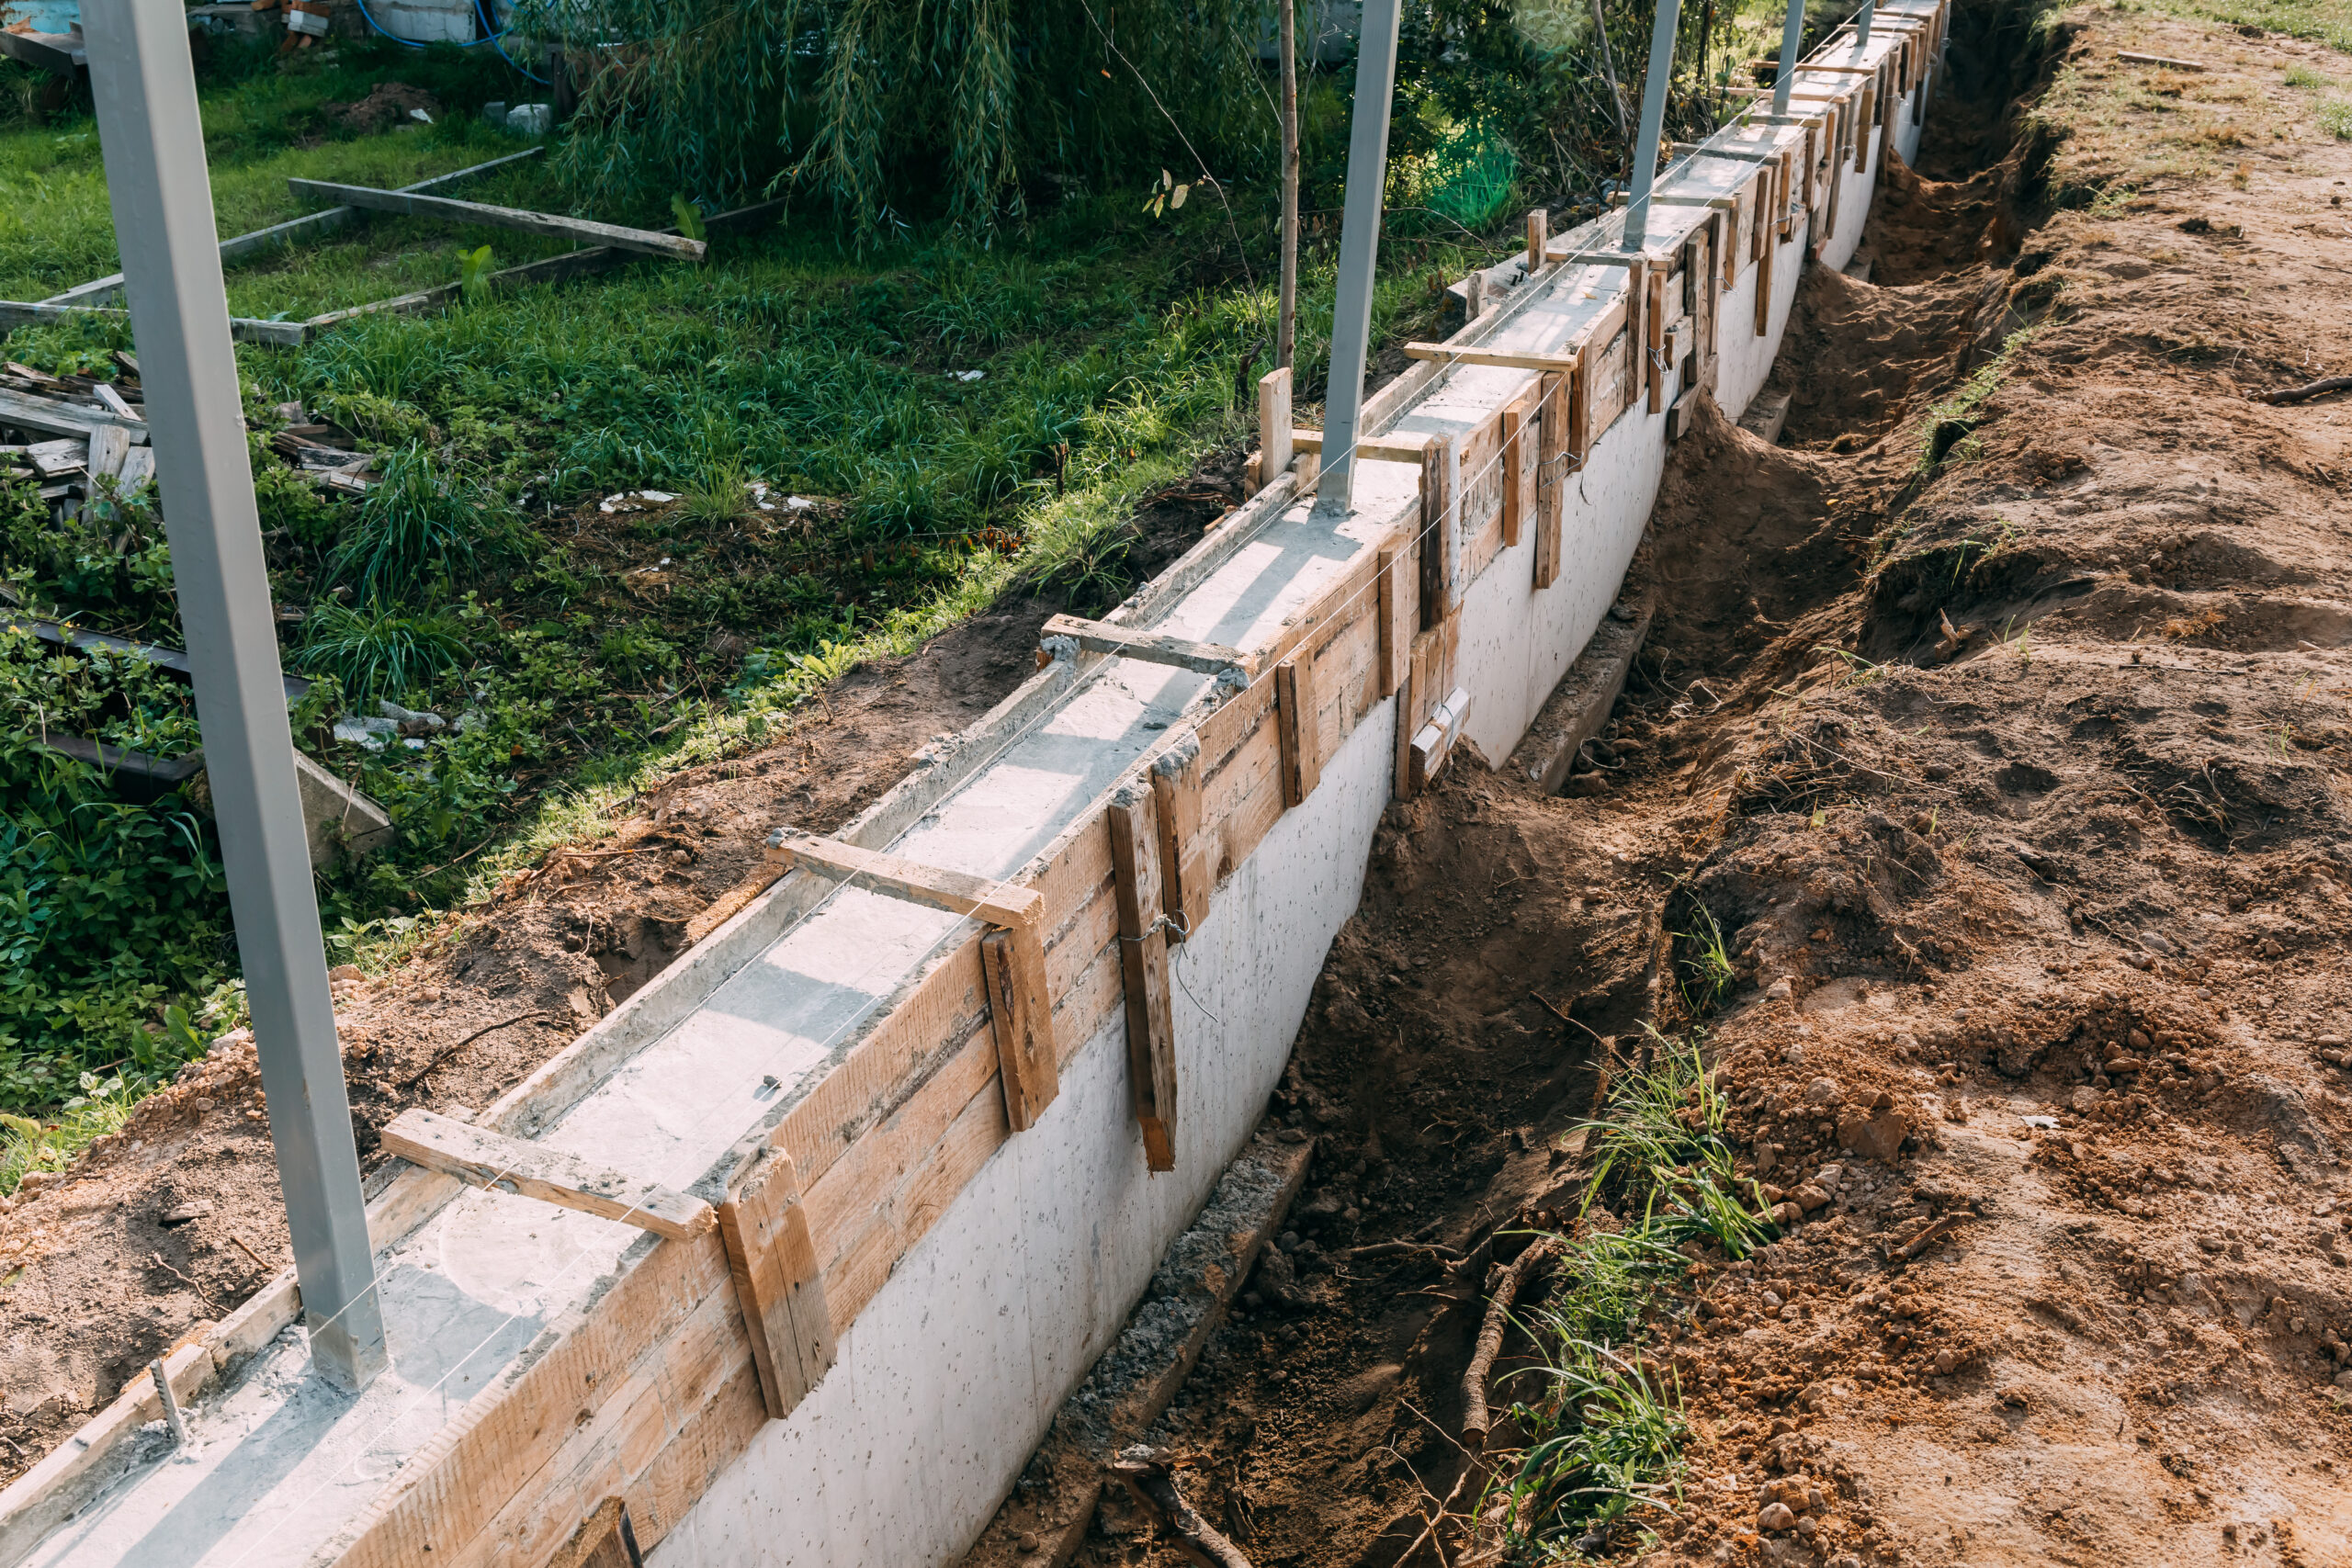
(1862, 26)
(1663, 28)
(144, 83)
(1791, 36)
(1359, 252)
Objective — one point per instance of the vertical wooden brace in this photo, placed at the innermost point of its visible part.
(1143, 964)
(1274, 425)
(1397, 614)
(1185, 873)
(1021, 1010)
(1438, 547)
(1539, 224)
(1652, 340)
(1295, 727)
(1637, 364)
(777, 1282)
(1768, 238)
(1520, 442)
(1565, 400)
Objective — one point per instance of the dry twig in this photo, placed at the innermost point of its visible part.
(1478, 1419)
(1153, 1480)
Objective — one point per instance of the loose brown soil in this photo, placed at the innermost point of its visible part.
(2039, 1017)
(176, 1220)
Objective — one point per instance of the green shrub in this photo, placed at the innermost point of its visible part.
(107, 911)
(378, 652)
(422, 528)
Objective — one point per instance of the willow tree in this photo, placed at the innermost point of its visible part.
(899, 108)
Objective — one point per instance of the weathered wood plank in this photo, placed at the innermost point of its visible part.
(479, 1158)
(1560, 409)
(1000, 902)
(1499, 358)
(1143, 964)
(1302, 765)
(947, 1007)
(1022, 1010)
(1397, 611)
(1519, 460)
(1151, 648)
(772, 1261)
(1186, 873)
(1400, 446)
(550, 224)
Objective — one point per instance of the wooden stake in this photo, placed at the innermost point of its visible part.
(1186, 872)
(1143, 964)
(1437, 532)
(1274, 424)
(1021, 1009)
(1396, 610)
(479, 1158)
(1295, 725)
(773, 1260)
(1520, 442)
(1565, 400)
(1655, 369)
(1539, 224)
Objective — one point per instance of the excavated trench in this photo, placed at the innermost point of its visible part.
(1514, 950)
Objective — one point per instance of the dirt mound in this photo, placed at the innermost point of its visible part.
(387, 104)
(1985, 801)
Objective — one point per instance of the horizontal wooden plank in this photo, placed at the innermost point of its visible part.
(992, 899)
(1151, 648)
(1399, 446)
(552, 225)
(479, 1158)
(1499, 358)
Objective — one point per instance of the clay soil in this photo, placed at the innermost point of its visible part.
(174, 1221)
(2003, 734)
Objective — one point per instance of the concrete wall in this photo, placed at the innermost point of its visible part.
(949, 1379)
(946, 1382)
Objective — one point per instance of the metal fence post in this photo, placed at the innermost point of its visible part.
(1663, 28)
(1359, 252)
(1791, 38)
(144, 81)
(1862, 26)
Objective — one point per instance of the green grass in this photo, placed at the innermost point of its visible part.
(2328, 21)
(1603, 1426)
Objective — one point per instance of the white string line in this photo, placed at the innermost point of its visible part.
(582, 1252)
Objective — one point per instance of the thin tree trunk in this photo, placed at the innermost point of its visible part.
(1706, 83)
(1286, 320)
(1609, 66)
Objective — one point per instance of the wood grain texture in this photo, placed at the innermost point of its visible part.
(1186, 873)
(479, 1158)
(1302, 764)
(1143, 964)
(999, 901)
(772, 1261)
(1021, 1010)
(552, 225)
(1558, 413)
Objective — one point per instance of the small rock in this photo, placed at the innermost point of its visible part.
(1028, 1542)
(1824, 1091)
(1878, 1138)
(1947, 1360)
(347, 972)
(1779, 990)
(1776, 1516)
(1810, 1198)
(1786, 1213)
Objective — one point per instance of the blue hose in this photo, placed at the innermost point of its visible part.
(491, 36)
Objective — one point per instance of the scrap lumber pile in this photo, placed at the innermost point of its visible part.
(80, 439)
